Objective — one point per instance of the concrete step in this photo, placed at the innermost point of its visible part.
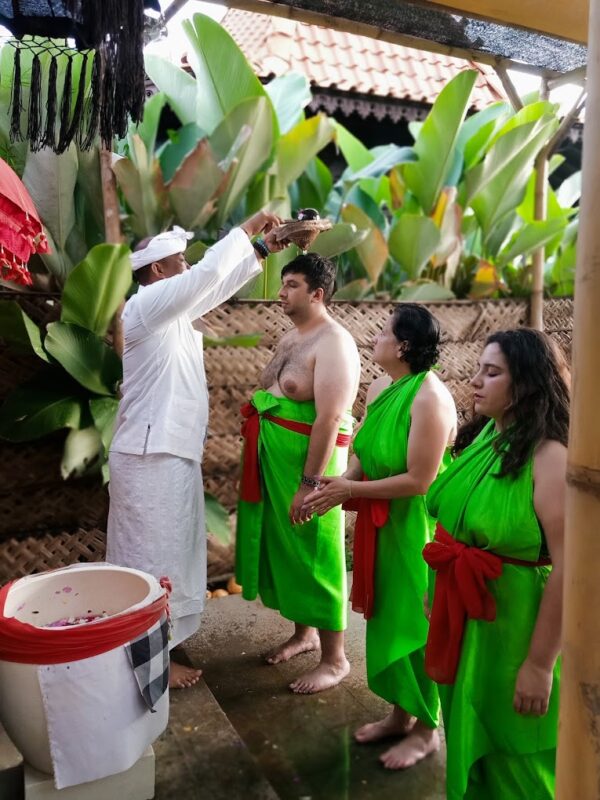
(302, 744)
(202, 757)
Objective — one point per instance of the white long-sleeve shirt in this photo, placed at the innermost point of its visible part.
(164, 404)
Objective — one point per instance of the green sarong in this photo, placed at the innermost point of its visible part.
(300, 570)
(397, 631)
(493, 752)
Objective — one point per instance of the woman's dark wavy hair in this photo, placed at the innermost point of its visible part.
(540, 398)
(415, 325)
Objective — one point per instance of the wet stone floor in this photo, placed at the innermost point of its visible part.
(243, 734)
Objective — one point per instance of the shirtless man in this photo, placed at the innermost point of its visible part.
(295, 561)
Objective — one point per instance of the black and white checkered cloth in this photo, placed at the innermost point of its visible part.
(149, 657)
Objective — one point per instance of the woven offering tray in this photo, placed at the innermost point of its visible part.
(301, 232)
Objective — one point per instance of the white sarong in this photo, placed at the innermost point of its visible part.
(156, 524)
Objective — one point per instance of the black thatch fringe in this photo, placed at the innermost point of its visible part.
(34, 122)
(49, 139)
(16, 101)
(65, 108)
(76, 119)
(92, 105)
(107, 109)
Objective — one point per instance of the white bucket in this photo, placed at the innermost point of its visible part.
(79, 590)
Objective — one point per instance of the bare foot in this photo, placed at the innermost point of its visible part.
(295, 645)
(181, 677)
(397, 723)
(418, 745)
(325, 676)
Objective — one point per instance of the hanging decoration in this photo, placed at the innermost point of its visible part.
(21, 232)
(77, 70)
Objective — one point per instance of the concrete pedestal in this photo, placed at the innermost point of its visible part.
(137, 783)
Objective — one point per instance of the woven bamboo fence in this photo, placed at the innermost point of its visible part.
(46, 522)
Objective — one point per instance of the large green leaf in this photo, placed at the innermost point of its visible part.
(147, 129)
(51, 181)
(242, 141)
(181, 144)
(529, 237)
(355, 153)
(193, 190)
(297, 148)
(177, 86)
(46, 403)
(569, 192)
(497, 185)
(140, 179)
(339, 239)
(436, 144)
(384, 159)
(425, 292)
(217, 518)
(312, 187)
(412, 242)
(532, 112)
(373, 250)
(224, 78)
(96, 287)
(84, 356)
(104, 413)
(355, 290)
(561, 275)
(495, 113)
(18, 329)
(289, 93)
(81, 451)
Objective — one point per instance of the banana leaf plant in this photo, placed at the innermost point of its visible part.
(241, 147)
(455, 215)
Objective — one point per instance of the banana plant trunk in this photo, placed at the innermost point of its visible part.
(112, 230)
(536, 308)
(578, 763)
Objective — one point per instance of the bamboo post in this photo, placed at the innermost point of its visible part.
(536, 307)
(112, 230)
(578, 763)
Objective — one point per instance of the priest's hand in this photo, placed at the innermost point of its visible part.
(332, 492)
(261, 222)
(532, 689)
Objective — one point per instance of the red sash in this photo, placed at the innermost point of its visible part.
(27, 644)
(372, 515)
(250, 485)
(460, 591)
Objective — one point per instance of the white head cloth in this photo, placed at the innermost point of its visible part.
(160, 246)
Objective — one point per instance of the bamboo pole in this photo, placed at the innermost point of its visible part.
(536, 305)
(112, 230)
(578, 763)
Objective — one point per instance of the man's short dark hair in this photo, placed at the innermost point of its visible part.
(319, 273)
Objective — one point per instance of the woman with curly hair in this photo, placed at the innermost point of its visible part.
(410, 421)
(495, 626)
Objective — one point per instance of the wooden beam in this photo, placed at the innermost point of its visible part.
(412, 25)
(578, 760)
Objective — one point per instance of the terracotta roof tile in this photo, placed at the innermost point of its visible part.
(353, 63)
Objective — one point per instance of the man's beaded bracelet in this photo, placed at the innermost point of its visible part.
(308, 481)
(260, 245)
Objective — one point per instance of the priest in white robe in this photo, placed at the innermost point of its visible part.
(156, 518)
